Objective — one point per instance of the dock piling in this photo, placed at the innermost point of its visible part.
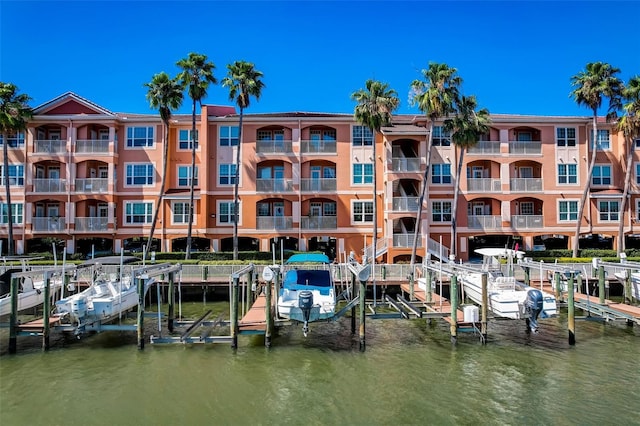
(171, 301)
(140, 326)
(45, 312)
(13, 319)
(571, 317)
(485, 308)
(454, 309)
(601, 283)
(234, 311)
(363, 290)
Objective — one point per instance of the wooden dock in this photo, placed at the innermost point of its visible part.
(255, 318)
(438, 307)
(37, 326)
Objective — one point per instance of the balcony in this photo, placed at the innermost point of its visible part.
(526, 185)
(405, 164)
(274, 147)
(50, 146)
(485, 222)
(484, 185)
(49, 185)
(406, 204)
(274, 222)
(274, 185)
(526, 222)
(318, 185)
(318, 147)
(92, 146)
(48, 224)
(525, 148)
(91, 224)
(405, 240)
(92, 186)
(319, 222)
(484, 148)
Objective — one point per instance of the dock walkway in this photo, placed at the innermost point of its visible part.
(255, 318)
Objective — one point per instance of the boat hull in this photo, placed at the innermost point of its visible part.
(28, 299)
(323, 307)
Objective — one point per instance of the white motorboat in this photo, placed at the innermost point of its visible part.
(508, 297)
(30, 288)
(308, 293)
(635, 282)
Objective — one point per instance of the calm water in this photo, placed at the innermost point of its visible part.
(409, 374)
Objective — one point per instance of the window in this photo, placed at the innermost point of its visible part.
(441, 211)
(361, 136)
(566, 136)
(567, 211)
(324, 135)
(270, 135)
(638, 143)
(136, 213)
(16, 213)
(526, 208)
(184, 139)
(362, 211)
(16, 175)
(441, 137)
(601, 175)
(225, 212)
(139, 136)
(139, 174)
(14, 140)
(602, 139)
(567, 173)
(229, 135)
(180, 212)
(362, 173)
(441, 173)
(608, 211)
(227, 174)
(329, 208)
(184, 176)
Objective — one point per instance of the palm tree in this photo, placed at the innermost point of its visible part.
(243, 81)
(164, 94)
(591, 87)
(196, 75)
(435, 96)
(465, 128)
(374, 108)
(629, 125)
(14, 113)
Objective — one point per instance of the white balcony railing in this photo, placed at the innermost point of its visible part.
(485, 222)
(525, 148)
(526, 184)
(318, 147)
(405, 164)
(49, 185)
(92, 146)
(405, 240)
(526, 221)
(50, 146)
(93, 185)
(274, 147)
(318, 185)
(274, 222)
(484, 147)
(319, 222)
(274, 185)
(484, 185)
(406, 204)
(48, 224)
(91, 224)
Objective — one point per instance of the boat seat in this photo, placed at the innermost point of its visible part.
(504, 283)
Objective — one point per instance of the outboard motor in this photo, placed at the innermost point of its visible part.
(533, 307)
(305, 303)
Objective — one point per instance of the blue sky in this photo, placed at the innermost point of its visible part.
(517, 57)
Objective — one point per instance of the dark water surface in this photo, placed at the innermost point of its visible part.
(409, 375)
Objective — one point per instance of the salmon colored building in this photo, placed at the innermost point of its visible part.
(91, 177)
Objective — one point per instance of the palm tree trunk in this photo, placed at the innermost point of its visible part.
(236, 199)
(587, 184)
(425, 183)
(5, 169)
(454, 207)
(162, 186)
(374, 243)
(625, 193)
(187, 255)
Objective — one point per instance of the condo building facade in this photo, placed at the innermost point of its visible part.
(88, 176)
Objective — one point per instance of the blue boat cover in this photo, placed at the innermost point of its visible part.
(308, 258)
(305, 279)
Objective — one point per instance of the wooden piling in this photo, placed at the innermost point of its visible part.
(140, 326)
(353, 309)
(527, 276)
(601, 283)
(571, 318)
(485, 307)
(454, 309)
(235, 299)
(556, 277)
(411, 288)
(46, 307)
(172, 302)
(363, 290)
(13, 318)
(428, 289)
(627, 288)
(267, 312)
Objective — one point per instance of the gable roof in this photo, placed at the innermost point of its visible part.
(70, 103)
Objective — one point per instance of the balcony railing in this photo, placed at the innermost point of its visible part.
(485, 222)
(94, 185)
(405, 164)
(526, 184)
(91, 224)
(48, 224)
(49, 185)
(526, 222)
(405, 240)
(484, 185)
(92, 146)
(274, 147)
(318, 147)
(525, 148)
(274, 222)
(50, 146)
(318, 185)
(274, 185)
(485, 147)
(319, 222)
(406, 204)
